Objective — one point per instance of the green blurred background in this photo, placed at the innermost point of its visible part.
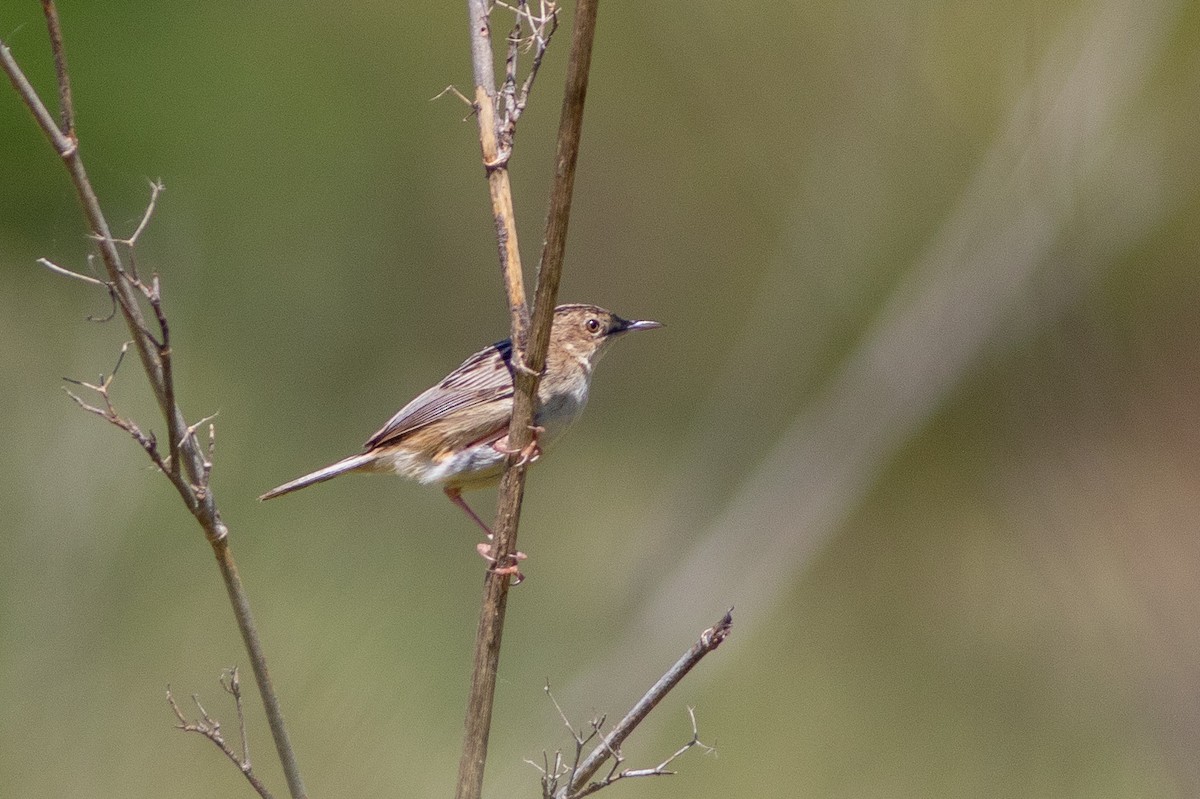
(924, 411)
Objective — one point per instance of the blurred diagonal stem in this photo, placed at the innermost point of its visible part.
(187, 464)
(531, 338)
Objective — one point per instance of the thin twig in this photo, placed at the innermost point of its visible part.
(109, 411)
(544, 27)
(210, 728)
(554, 786)
(233, 686)
(551, 777)
(112, 294)
(176, 428)
(156, 188)
(661, 770)
(610, 744)
(155, 357)
(53, 267)
(452, 89)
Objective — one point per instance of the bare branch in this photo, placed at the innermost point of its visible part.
(147, 442)
(610, 745)
(188, 466)
(63, 145)
(210, 728)
(66, 106)
(553, 784)
(542, 28)
(661, 770)
(551, 778)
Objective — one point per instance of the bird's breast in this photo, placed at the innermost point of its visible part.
(559, 407)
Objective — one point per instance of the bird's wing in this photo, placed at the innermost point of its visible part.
(483, 378)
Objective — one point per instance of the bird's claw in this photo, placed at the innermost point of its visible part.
(529, 453)
(485, 552)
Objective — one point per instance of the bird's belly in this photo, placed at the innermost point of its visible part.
(474, 466)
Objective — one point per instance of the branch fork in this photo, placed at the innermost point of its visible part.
(558, 778)
(210, 728)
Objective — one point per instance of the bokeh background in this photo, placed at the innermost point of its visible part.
(925, 410)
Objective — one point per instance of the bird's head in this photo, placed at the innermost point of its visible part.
(581, 333)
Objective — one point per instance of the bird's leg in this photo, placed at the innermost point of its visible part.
(455, 496)
(484, 549)
(529, 453)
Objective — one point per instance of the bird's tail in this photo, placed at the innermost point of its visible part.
(321, 475)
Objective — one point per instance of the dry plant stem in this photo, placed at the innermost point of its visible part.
(529, 365)
(491, 617)
(558, 214)
(709, 640)
(495, 162)
(526, 376)
(155, 355)
(67, 109)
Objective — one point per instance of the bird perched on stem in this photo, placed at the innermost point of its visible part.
(455, 434)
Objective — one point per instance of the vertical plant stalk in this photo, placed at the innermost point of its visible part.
(530, 350)
(558, 213)
(192, 482)
(496, 163)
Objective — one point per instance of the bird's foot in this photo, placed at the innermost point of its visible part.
(513, 568)
(529, 453)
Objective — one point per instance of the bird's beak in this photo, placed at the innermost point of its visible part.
(624, 325)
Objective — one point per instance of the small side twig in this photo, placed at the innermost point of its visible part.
(210, 728)
(156, 188)
(557, 775)
(109, 412)
(53, 267)
(542, 27)
(616, 773)
(452, 89)
(112, 294)
(610, 744)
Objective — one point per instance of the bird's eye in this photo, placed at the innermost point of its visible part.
(592, 325)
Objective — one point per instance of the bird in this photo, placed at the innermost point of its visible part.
(455, 434)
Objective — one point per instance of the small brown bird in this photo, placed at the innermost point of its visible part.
(456, 434)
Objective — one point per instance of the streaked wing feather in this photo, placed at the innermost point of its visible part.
(482, 378)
